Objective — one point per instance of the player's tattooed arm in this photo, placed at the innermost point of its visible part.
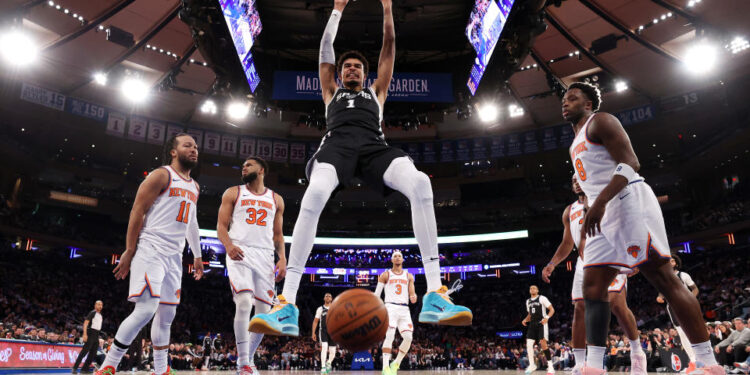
(278, 238)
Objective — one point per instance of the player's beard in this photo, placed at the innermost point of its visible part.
(187, 163)
(250, 177)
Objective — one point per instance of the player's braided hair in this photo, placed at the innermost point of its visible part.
(353, 55)
(592, 93)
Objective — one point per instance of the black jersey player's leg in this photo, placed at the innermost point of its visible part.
(401, 175)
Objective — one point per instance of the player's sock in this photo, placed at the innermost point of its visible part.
(255, 339)
(635, 347)
(580, 356)
(686, 344)
(386, 359)
(399, 357)
(548, 357)
(243, 305)
(115, 354)
(704, 354)
(323, 354)
(323, 180)
(530, 353)
(160, 361)
(243, 354)
(404, 177)
(595, 356)
(331, 354)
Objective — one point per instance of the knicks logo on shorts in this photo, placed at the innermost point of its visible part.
(614, 282)
(410, 326)
(270, 293)
(177, 293)
(634, 250)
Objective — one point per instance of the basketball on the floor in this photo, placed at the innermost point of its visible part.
(357, 319)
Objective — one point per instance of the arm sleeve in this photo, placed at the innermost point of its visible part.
(319, 313)
(193, 235)
(379, 289)
(327, 54)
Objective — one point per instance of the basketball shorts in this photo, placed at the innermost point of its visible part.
(325, 338)
(356, 152)
(399, 317)
(156, 275)
(537, 331)
(253, 274)
(632, 230)
(618, 284)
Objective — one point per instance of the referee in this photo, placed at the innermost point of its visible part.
(91, 327)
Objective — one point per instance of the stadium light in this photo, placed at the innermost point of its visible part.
(134, 89)
(515, 110)
(238, 110)
(701, 58)
(738, 44)
(621, 86)
(484, 237)
(208, 107)
(18, 48)
(100, 78)
(488, 112)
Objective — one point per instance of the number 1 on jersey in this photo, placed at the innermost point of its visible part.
(184, 213)
(351, 103)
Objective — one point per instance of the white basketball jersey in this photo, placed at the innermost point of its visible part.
(576, 222)
(166, 222)
(252, 219)
(397, 288)
(593, 164)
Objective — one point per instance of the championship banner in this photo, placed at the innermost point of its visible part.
(247, 147)
(635, 115)
(27, 354)
(137, 128)
(212, 143)
(549, 142)
(530, 145)
(265, 149)
(280, 151)
(428, 153)
(197, 135)
(156, 132)
(228, 145)
(404, 87)
(41, 96)
(173, 130)
(514, 145)
(297, 153)
(116, 124)
(497, 148)
(566, 135)
(447, 151)
(462, 150)
(413, 150)
(479, 148)
(83, 108)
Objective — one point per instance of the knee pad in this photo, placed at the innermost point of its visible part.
(406, 343)
(322, 183)
(162, 323)
(390, 334)
(243, 305)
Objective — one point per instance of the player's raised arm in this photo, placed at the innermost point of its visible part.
(147, 193)
(327, 67)
(563, 250)
(387, 53)
(222, 224)
(278, 238)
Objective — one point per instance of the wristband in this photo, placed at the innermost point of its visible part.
(626, 171)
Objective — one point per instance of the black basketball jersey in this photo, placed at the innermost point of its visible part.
(537, 308)
(355, 108)
(322, 323)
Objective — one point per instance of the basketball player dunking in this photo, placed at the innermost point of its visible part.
(250, 228)
(539, 311)
(572, 222)
(688, 283)
(354, 146)
(625, 213)
(327, 346)
(399, 291)
(163, 214)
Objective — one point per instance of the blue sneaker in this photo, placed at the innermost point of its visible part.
(437, 308)
(282, 320)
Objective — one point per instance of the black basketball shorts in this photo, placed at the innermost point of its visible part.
(537, 331)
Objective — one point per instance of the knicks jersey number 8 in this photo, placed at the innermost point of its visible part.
(256, 216)
(581, 171)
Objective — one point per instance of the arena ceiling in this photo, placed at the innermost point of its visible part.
(73, 43)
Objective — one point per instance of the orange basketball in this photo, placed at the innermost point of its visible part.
(357, 319)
